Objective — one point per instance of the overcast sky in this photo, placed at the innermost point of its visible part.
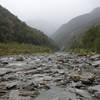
(54, 11)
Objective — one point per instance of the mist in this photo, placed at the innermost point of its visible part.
(48, 15)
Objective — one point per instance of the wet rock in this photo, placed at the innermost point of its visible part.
(50, 59)
(32, 94)
(59, 66)
(85, 78)
(12, 85)
(47, 78)
(58, 79)
(29, 86)
(87, 82)
(83, 93)
(20, 58)
(96, 64)
(61, 59)
(88, 79)
(10, 77)
(5, 63)
(3, 90)
(44, 86)
(22, 95)
(77, 85)
(14, 95)
(95, 90)
(75, 77)
(56, 93)
(95, 57)
(4, 71)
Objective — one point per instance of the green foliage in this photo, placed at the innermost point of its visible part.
(91, 39)
(74, 43)
(89, 43)
(82, 51)
(15, 48)
(14, 30)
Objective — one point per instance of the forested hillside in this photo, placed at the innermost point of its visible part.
(14, 30)
(75, 28)
(90, 41)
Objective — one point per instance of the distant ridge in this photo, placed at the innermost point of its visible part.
(76, 27)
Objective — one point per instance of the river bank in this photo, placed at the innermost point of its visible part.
(58, 76)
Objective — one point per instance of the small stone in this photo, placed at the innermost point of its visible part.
(29, 93)
(2, 92)
(4, 71)
(12, 85)
(96, 64)
(83, 93)
(95, 91)
(77, 85)
(20, 58)
(5, 62)
(95, 57)
(75, 78)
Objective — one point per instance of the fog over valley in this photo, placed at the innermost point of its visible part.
(48, 15)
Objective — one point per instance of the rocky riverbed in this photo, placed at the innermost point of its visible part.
(58, 76)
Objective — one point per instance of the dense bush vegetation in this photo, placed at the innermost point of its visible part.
(90, 41)
(15, 48)
(14, 30)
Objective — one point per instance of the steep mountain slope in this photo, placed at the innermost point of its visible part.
(76, 27)
(14, 30)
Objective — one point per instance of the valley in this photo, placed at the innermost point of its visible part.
(37, 63)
